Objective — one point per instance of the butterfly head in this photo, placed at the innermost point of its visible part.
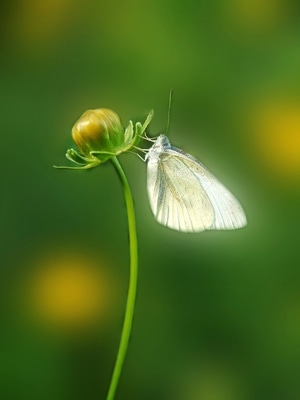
(160, 145)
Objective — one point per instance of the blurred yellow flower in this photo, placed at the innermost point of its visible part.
(70, 291)
(275, 127)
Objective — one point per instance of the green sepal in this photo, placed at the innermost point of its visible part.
(128, 134)
(88, 166)
(78, 158)
(102, 156)
(84, 162)
(140, 129)
(148, 120)
(132, 134)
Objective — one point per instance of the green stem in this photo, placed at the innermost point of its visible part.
(129, 312)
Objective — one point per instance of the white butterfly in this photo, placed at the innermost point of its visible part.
(184, 195)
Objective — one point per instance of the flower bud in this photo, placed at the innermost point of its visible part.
(98, 131)
(99, 136)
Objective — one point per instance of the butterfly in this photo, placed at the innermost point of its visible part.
(184, 195)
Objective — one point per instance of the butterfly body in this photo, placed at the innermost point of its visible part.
(184, 195)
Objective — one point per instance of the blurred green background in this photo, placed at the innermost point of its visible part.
(218, 313)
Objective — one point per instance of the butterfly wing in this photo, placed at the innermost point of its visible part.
(185, 196)
(176, 198)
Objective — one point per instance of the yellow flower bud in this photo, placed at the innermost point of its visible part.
(98, 131)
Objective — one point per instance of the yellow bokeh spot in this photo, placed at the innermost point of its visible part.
(256, 16)
(213, 381)
(275, 128)
(36, 22)
(70, 290)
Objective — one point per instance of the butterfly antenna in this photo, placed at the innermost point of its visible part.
(169, 111)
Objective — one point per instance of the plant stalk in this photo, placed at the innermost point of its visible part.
(131, 296)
